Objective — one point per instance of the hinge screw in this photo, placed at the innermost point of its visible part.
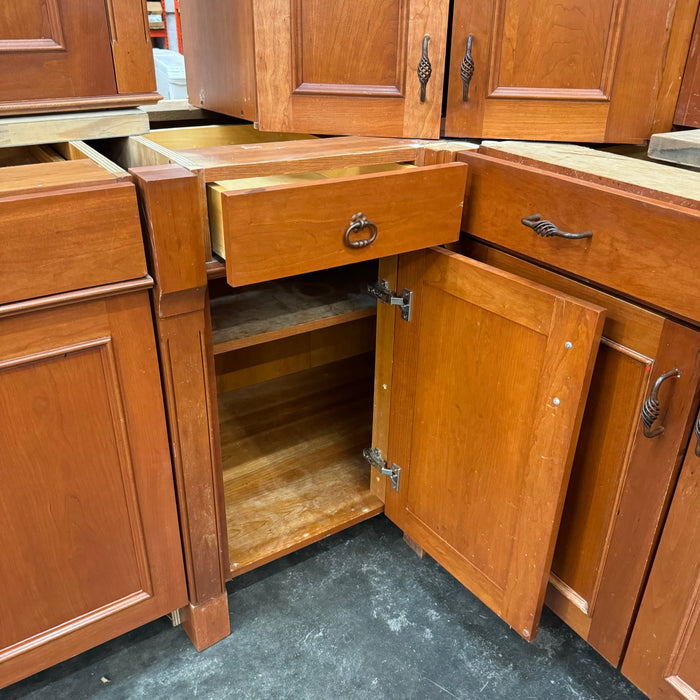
(568, 345)
(556, 401)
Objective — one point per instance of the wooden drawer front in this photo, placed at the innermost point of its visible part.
(288, 230)
(69, 239)
(643, 248)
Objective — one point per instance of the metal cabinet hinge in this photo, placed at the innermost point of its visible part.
(374, 456)
(381, 291)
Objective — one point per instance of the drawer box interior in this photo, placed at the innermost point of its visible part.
(294, 372)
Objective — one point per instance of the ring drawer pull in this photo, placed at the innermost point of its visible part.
(651, 407)
(546, 229)
(425, 70)
(358, 223)
(697, 437)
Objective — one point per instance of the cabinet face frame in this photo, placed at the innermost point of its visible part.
(443, 484)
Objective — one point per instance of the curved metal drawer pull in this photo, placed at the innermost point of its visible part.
(466, 69)
(358, 223)
(425, 70)
(651, 407)
(546, 229)
(697, 437)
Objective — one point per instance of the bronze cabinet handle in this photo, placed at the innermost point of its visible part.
(546, 229)
(358, 223)
(425, 70)
(651, 407)
(697, 437)
(466, 69)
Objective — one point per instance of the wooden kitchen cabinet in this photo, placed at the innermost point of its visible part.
(688, 106)
(292, 390)
(597, 71)
(663, 658)
(621, 479)
(88, 526)
(74, 54)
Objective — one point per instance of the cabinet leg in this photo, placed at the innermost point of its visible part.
(206, 623)
(414, 545)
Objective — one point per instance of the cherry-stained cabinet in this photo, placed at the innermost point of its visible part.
(663, 657)
(489, 378)
(597, 71)
(62, 55)
(88, 525)
(594, 71)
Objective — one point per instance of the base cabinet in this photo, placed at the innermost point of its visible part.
(87, 514)
(663, 657)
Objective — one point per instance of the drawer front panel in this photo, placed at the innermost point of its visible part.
(643, 248)
(289, 230)
(72, 239)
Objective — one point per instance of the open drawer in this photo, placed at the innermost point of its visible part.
(271, 227)
(275, 205)
(68, 220)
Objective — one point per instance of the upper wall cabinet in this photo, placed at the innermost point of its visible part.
(74, 54)
(564, 71)
(596, 71)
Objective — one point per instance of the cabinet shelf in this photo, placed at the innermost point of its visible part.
(282, 308)
(292, 458)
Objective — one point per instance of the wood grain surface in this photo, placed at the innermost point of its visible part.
(489, 384)
(291, 229)
(292, 455)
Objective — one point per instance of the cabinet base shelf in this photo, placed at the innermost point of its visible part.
(292, 456)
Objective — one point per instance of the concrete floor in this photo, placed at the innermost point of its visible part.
(357, 615)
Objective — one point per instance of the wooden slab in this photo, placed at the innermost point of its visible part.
(253, 315)
(71, 126)
(680, 147)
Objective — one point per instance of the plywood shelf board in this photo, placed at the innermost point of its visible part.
(680, 147)
(72, 126)
(293, 470)
(278, 309)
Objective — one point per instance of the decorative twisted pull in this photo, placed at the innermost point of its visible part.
(546, 229)
(425, 70)
(697, 437)
(358, 223)
(651, 407)
(466, 69)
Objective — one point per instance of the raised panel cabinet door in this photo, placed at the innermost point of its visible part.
(489, 381)
(564, 71)
(88, 528)
(52, 49)
(663, 657)
(351, 67)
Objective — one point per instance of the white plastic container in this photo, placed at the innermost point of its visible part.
(170, 74)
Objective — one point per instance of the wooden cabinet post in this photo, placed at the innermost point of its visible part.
(172, 208)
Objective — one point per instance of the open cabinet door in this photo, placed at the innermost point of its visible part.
(489, 381)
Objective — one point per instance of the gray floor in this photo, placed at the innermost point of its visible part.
(357, 615)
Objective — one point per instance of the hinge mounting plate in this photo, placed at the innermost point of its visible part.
(383, 293)
(374, 456)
